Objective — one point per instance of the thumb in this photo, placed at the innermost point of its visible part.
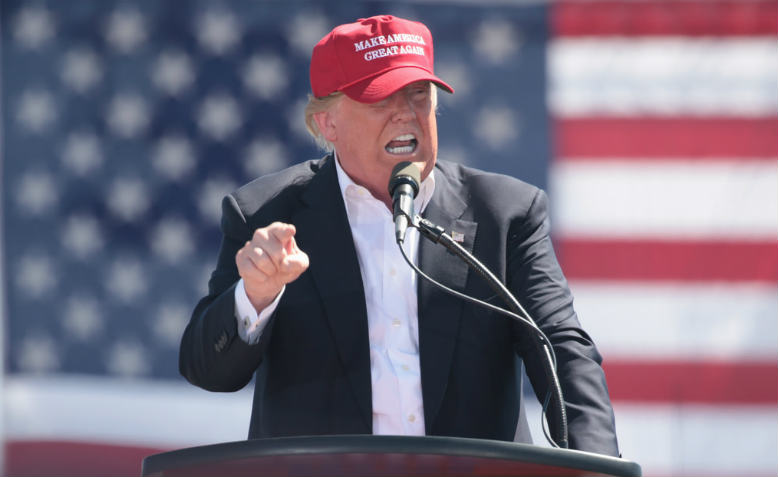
(295, 262)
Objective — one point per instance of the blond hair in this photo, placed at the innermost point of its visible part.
(320, 105)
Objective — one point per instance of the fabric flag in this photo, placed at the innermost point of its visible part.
(652, 124)
(665, 192)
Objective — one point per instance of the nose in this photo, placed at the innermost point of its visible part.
(403, 107)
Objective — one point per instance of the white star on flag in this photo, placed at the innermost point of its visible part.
(36, 110)
(265, 76)
(82, 237)
(126, 280)
(305, 30)
(128, 115)
(495, 126)
(128, 358)
(171, 240)
(211, 195)
(495, 41)
(125, 30)
(458, 76)
(36, 276)
(218, 31)
(219, 116)
(173, 73)
(263, 156)
(81, 154)
(81, 70)
(173, 157)
(36, 193)
(38, 354)
(169, 323)
(33, 27)
(128, 199)
(83, 319)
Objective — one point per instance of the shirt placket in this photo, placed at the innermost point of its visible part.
(399, 301)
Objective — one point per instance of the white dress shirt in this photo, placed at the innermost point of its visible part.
(391, 301)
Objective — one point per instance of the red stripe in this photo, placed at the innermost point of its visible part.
(676, 17)
(62, 458)
(658, 137)
(693, 382)
(666, 260)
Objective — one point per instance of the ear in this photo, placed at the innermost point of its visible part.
(326, 123)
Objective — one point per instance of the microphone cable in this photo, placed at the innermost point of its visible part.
(518, 318)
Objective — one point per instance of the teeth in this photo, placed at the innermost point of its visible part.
(405, 148)
(400, 150)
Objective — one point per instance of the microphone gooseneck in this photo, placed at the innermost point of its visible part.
(438, 234)
(403, 188)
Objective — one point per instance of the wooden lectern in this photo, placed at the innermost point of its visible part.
(372, 456)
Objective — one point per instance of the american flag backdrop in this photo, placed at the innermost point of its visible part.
(653, 125)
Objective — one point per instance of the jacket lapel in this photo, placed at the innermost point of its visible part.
(323, 232)
(439, 312)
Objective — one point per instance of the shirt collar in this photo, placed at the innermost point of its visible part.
(426, 189)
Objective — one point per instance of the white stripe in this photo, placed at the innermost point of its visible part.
(680, 321)
(663, 75)
(670, 199)
(692, 440)
(699, 440)
(665, 440)
(145, 413)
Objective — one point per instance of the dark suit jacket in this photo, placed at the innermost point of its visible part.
(312, 362)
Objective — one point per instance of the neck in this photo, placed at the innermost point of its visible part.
(378, 194)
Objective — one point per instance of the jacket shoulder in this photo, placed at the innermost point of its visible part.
(490, 187)
(283, 186)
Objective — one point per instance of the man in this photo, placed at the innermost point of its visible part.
(311, 294)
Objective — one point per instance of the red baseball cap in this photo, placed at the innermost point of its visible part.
(372, 58)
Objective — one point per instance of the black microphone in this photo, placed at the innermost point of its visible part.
(403, 187)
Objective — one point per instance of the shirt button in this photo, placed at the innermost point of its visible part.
(396, 323)
(412, 418)
(405, 367)
(392, 271)
(246, 322)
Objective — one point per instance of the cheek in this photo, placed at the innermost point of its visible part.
(432, 129)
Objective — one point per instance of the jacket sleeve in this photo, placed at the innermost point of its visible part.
(212, 355)
(536, 278)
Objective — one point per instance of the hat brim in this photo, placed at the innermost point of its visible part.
(383, 85)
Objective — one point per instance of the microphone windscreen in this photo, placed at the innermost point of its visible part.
(405, 173)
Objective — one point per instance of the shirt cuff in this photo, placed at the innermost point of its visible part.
(251, 323)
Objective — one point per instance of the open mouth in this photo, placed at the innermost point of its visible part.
(404, 144)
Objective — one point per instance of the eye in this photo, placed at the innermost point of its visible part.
(379, 104)
(420, 93)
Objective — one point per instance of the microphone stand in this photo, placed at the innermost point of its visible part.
(437, 234)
